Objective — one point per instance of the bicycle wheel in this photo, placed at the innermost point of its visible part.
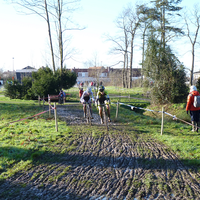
(104, 116)
(88, 117)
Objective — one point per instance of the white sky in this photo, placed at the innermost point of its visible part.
(24, 38)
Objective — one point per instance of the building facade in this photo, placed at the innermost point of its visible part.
(101, 74)
(25, 72)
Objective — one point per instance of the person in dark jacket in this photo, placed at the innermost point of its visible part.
(194, 111)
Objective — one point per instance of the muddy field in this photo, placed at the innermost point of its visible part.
(112, 166)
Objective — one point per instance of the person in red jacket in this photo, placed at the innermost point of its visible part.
(80, 92)
(194, 111)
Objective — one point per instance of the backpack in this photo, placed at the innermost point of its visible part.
(196, 101)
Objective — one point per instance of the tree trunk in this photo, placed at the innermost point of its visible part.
(126, 72)
(50, 39)
(192, 68)
(123, 72)
(131, 63)
(143, 44)
(60, 36)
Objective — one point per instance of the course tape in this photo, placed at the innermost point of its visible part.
(50, 96)
(52, 108)
(173, 116)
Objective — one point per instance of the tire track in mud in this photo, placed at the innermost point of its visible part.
(112, 166)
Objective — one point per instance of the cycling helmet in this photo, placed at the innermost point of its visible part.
(89, 90)
(101, 88)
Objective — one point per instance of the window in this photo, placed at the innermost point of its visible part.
(103, 75)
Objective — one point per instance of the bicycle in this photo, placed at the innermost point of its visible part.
(88, 113)
(105, 118)
(104, 112)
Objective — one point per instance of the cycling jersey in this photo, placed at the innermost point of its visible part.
(86, 97)
(102, 96)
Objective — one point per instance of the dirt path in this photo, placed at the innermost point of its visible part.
(113, 166)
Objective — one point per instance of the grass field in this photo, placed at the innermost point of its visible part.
(21, 142)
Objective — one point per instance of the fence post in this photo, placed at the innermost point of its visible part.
(39, 100)
(49, 101)
(117, 109)
(55, 114)
(43, 102)
(162, 124)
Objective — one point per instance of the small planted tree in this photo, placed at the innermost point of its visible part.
(43, 82)
(13, 89)
(27, 92)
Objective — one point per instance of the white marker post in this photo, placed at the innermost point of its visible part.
(162, 124)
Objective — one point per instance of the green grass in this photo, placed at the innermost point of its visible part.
(23, 142)
(177, 134)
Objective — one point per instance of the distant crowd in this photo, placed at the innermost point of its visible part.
(86, 84)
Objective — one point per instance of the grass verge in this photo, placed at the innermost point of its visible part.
(22, 142)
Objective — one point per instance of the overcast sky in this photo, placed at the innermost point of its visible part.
(24, 38)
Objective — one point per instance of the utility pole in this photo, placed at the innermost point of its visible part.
(13, 76)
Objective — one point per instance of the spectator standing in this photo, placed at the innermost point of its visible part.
(81, 84)
(194, 111)
(60, 97)
(64, 96)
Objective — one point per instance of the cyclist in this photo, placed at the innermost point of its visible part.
(86, 98)
(103, 98)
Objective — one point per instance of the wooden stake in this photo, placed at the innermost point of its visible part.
(55, 115)
(49, 101)
(39, 100)
(162, 124)
(43, 102)
(117, 110)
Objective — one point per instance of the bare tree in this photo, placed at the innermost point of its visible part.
(39, 7)
(57, 11)
(194, 21)
(121, 44)
(121, 47)
(134, 22)
(122, 24)
(64, 23)
(127, 22)
(95, 69)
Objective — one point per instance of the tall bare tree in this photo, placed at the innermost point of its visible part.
(133, 24)
(49, 33)
(128, 23)
(62, 10)
(40, 8)
(120, 46)
(58, 11)
(192, 22)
